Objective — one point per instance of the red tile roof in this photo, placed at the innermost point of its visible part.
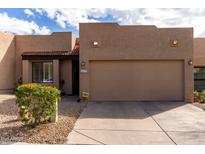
(74, 51)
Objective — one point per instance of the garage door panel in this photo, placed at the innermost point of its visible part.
(136, 80)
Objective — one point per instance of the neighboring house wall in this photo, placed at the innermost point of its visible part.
(134, 43)
(7, 62)
(199, 64)
(199, 51)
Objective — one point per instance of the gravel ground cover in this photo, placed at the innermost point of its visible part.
(200, 105)
(12, 130)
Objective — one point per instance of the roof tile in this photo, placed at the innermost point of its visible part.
(74, 51)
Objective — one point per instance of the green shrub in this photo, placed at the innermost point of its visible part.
(37, 103)
(197, 96)
(202, 97)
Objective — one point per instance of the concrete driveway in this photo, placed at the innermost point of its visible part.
(139, 123)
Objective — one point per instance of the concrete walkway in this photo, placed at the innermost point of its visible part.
(139, 123)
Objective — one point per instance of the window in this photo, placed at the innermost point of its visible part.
(199, 78)
(42, 72)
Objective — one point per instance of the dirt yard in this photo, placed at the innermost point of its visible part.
(12, 130)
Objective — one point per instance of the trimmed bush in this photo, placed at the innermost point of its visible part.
(37, 103)
(196, 96)
(202, 96)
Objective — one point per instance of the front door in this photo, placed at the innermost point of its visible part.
(75, 77)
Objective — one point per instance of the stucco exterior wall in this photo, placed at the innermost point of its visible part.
(135, 43)
(56, 75)
(199, 51)
(7, 62)
(26, 71)
(60, 41)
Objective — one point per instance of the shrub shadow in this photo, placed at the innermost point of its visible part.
(11, 135)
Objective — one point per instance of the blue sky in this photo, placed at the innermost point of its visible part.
(45, 21)
(40, 20)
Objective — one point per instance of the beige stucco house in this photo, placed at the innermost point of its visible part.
(108, 62)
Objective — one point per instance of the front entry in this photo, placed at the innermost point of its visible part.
(75, 77)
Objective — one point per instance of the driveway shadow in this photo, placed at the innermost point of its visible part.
(127, 110)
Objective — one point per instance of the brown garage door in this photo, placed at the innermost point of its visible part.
(136, 80)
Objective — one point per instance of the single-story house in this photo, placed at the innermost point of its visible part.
(108, 62)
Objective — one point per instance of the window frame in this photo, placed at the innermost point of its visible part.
(50, 75)
(43, 64)
(197, 86)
